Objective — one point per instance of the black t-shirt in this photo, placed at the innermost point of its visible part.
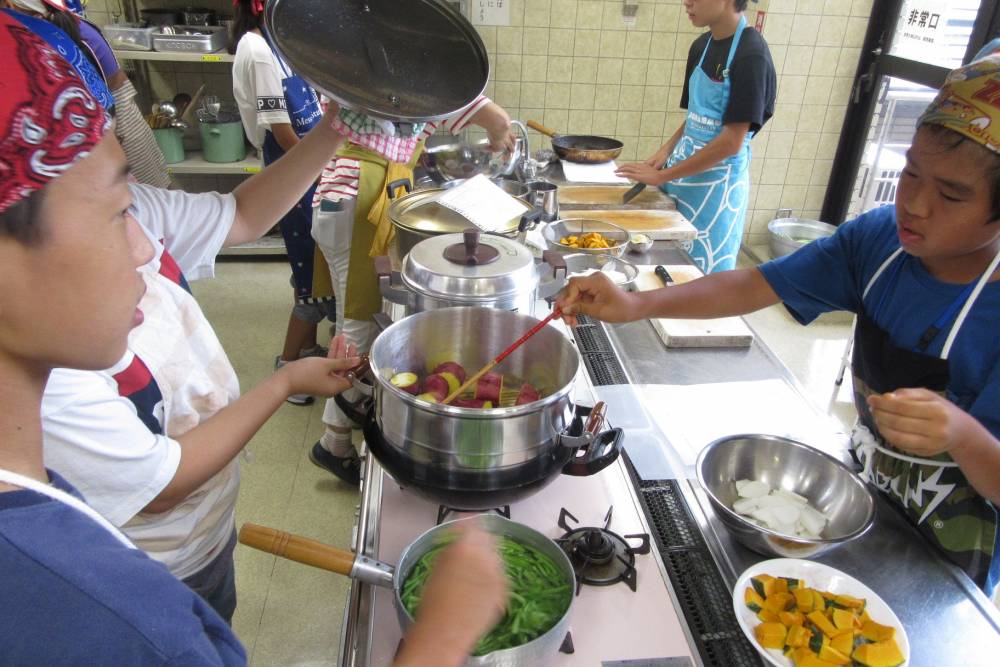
(754, 83)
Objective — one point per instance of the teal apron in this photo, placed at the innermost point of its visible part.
(934, 493)
(715, 200)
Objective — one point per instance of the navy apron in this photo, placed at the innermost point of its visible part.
(933, 493)
(296, 226)
(715, 200)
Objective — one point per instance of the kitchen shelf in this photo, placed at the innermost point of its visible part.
(196, 164)
(172, 56)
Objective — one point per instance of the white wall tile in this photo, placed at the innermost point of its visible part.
(799, 172)
(584, 70)
(818, 90)
(536, 13)
(631, 98)
(561, 41)
(778, 28)
(563, 14)
(612, 44)
(831, 31)
(837, 7)
(804, 30)
(589, 14)
(773, 171)
(856, 28)
(798, 60)
(534, 68)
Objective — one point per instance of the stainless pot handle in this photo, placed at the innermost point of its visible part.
(355, 374)
(596, 449)
(556, 261)
(386, 285)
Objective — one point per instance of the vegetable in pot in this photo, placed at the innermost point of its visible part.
(539, 595)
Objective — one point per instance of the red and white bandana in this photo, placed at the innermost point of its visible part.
(48, 118)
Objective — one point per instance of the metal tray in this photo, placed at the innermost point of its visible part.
(130, 36)
(210, 39)
(407, 62)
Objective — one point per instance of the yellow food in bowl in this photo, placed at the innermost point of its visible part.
(590, 240)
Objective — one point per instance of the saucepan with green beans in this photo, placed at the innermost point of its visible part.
(539, 574)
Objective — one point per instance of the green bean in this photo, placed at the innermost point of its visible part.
(538, 595)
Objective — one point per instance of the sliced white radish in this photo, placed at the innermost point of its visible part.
(775, 500)
(802, 500)
(812, 520)
(754, 489)
(765, 516)
(786, 515)
(746, 505)
(740, 483)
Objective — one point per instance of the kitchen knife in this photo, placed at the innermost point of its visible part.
(633, 192)
(663, 275)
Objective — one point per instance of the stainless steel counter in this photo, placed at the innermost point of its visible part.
(949, 621)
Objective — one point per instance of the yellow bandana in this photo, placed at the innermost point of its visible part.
(969, 102)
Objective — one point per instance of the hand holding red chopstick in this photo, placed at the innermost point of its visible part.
(503, 355)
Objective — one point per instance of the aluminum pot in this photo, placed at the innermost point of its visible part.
(477, 459)
(537, 652)
(469, 269)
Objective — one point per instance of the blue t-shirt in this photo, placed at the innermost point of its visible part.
(73, 595)
(831, 274)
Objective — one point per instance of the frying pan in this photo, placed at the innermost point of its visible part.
(580, 147)
(535, 653)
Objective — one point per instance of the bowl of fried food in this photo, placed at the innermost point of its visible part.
(586, 235)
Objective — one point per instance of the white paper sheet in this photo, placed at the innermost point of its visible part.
(603, 172)
(483, 204)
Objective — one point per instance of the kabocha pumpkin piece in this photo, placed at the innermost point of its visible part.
(798, 636)
(820, 620)
(879, 654)
(803, 599)
(790, 618)
(768, 616)
(771, 635)
(844, 642)
(753, 600)
(813, 660)
(778, 602)
(793, 583)
(842, 619)
(849, 602)
(877, 632)
(830, 654)
(819, 602)
(759, 583)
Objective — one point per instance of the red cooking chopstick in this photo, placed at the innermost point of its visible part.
(503, 355)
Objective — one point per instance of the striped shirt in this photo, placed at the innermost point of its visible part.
(340, 177)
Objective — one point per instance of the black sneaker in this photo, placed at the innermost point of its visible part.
(347, 468)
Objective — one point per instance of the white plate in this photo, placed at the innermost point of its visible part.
(823, 578)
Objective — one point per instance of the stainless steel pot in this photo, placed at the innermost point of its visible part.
(480, 458)
(539, 651)
(417, 216)
(469, 269)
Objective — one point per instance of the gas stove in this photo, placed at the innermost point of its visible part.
(620, 578)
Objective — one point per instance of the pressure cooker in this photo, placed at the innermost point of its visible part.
(471, 269)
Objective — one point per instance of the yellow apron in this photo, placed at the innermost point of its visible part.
(372, 228)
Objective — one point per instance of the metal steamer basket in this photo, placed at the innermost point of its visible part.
(471, 269)
(417, 216)
(477, 459)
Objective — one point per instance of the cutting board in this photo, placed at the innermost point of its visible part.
(723, 332)
(658, 225)
(576, 197)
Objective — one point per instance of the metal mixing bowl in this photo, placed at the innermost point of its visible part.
(558, 229)
(453, 158)
(779, 462)
(786, 235)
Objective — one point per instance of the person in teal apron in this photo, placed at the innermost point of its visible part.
(729, 95)
(923, 278)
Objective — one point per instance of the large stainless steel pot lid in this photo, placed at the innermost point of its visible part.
(420, 212)
(428, 271)
(408, 61)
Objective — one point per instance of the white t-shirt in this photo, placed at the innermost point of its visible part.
(257, 87)
(99, 427)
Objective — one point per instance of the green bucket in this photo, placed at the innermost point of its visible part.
(171, 143)
(223, 142)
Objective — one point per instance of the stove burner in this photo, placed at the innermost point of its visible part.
(599, 556)
(444, 511)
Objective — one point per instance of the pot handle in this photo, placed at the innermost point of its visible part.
(355, 374)
(317, 554)
(596, 456)
(557, 262)
(386, 285)
(404, 183)
(529, 220)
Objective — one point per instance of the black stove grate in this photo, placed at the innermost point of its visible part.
(598, 356)
(700, 588)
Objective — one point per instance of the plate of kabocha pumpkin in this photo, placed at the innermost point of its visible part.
(798, 613)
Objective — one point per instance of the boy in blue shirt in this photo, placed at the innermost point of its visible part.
(75, 591)
(922, 278)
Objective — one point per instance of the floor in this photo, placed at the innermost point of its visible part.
(290, 614)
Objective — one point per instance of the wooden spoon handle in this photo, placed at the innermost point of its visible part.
(297, 548)
(538, 127)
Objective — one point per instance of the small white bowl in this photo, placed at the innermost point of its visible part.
(639, 243)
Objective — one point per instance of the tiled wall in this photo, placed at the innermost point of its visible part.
(575, 66)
